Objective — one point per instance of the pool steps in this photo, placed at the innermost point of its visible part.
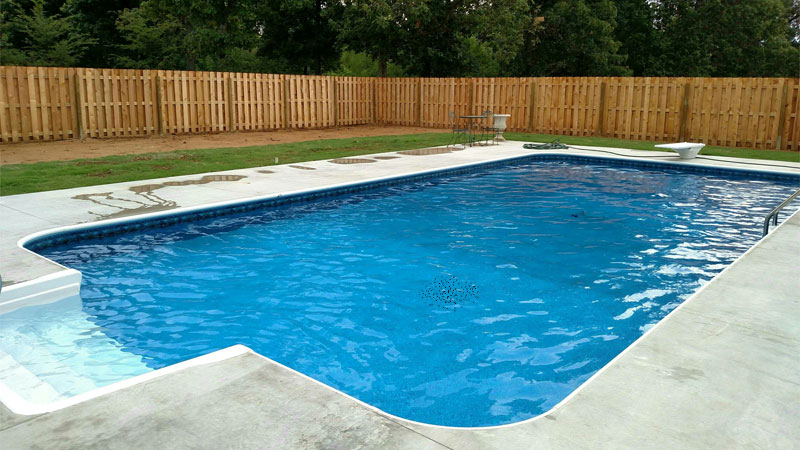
(19, 379)
(39, 389)
(39, 365)
(23, 406)
(47, 289)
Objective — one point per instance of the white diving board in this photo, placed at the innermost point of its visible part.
(686, 150)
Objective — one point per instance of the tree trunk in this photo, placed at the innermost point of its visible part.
(381, 66)
(191, 60)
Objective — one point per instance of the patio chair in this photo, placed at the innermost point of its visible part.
(460, 135)
(489, 131)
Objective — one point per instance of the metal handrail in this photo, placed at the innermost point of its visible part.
(773, 215)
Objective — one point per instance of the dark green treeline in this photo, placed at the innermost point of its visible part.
(410, 37)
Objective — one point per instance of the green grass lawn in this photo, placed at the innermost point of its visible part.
(45, 176)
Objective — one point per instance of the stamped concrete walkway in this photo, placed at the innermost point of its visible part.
(721, 371)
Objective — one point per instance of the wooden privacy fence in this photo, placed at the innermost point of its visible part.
(39, 104)
(733, 112)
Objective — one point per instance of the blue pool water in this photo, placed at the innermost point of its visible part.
(468, 300)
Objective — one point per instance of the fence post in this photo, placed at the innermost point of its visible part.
(78, 106)
(374, 100)
(419, 101)
(684, 112)
(335, 102)
(601, 109)
(779, 144)
(285, 101)
(229, 100)
(159, 106)
(471, 102)
(531, 104)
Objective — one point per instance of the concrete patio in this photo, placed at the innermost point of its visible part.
(721, 371)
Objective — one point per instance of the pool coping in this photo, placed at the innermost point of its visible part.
(237, 351)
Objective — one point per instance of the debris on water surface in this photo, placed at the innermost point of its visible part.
(448, 292)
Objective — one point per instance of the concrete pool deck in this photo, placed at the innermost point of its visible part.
(719, 372)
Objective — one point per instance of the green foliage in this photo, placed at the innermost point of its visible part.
(378, 28)
(794, 19)
(525, 62)
(729, 38)
(153, 41)
(578, 40)
(500, 27)
(410, 37)
(639, 39)
(435, 37)
(479, 59)
(38, 38)
(352, 64)
(191, 34)
(9, 55)
(97, 19)
(299, 36)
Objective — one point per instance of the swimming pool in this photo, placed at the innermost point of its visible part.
(474, 298)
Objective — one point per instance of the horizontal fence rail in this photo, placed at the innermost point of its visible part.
(47, 103)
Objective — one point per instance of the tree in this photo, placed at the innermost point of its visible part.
(435, 37)
(352, 64)
(299, 36)
(578, 40)
(729, 37)
(150, 40)
(37, 38)
(97, 19)
(413, 37)
(525, 62)
(378, 28)
(197, 35)
(639, 39)
(499, 30)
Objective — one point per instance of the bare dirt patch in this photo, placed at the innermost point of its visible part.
(30, 152)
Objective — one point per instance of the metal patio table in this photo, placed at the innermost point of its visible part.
(471, 126)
